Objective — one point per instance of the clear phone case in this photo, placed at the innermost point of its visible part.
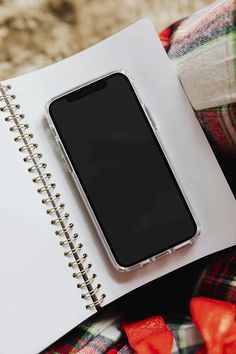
(82, 193)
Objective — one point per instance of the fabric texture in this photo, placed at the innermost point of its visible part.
(103, 333)
(205, 44)
(204, 51)
(219, 279)
(203, 48)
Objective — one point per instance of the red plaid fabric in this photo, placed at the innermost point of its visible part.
(218, 281)
(186, 36)
(166, 35)
(102, 333)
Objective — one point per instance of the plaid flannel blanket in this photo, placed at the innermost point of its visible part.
(101, 333)
(204, 50)
(203, 47)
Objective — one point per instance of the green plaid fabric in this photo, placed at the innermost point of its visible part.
(187, 338)
(95, 335)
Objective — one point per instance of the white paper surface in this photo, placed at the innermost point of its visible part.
(39, 300)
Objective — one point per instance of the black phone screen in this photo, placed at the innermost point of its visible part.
(122, 169)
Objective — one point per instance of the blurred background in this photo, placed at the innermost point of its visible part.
(35, 33)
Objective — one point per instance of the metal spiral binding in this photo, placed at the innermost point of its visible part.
(65, 228)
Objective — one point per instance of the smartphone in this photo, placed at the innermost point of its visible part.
(111, 147)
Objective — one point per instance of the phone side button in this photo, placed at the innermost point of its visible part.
(53, 131)
(68, 164)
(64, 157)
(153, 123)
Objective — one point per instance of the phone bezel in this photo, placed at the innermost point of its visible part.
(81, 190)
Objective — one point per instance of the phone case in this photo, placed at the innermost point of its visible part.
(81, 191)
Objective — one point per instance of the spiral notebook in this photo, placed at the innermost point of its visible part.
(44, 294)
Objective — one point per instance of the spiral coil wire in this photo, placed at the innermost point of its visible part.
(64, 228)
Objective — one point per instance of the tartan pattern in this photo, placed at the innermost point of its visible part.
(219, 279)
(187, 338)
(194, 36)
(166, 35)
(219, 125)
(92, 336)
(210, 25)
(95, 337)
